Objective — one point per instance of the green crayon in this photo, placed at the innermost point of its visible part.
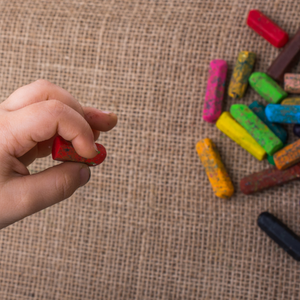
(256, 128)
(268, 88)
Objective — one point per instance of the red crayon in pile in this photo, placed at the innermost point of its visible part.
(267, 28)
(255, 128)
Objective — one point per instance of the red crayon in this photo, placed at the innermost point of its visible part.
(271, 32)
(63, 150)
(268, 178)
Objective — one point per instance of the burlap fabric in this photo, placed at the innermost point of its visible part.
(147, 225)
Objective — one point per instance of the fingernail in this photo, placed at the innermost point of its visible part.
(106, 112)
(96, 148)
(85, 175)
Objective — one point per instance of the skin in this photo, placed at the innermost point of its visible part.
(29, 121)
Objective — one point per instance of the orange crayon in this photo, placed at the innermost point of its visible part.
(288, 156)
(215, 170)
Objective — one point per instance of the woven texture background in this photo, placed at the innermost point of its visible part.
(147, 225)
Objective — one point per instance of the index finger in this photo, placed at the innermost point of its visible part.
(38, 91)
(40, 122)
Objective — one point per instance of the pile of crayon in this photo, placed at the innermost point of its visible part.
(257, 127)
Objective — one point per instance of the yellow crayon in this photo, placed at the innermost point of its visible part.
(291, 101)
(241, 73)
(215, 170)
(237, 133)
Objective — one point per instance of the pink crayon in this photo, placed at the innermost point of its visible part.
(215, 90)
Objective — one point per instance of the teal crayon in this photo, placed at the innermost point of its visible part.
(259, 109)
(271, 160)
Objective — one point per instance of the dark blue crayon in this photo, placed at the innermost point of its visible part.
(289, 114)
(296, 130)
(259, 110)
(280, 234)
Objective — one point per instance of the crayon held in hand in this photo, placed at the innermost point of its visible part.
(63, 150)
(215, 170)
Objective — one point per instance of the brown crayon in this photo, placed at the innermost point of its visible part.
(268, 178)
(286, 59)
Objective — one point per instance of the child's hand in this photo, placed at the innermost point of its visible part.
(29, 120)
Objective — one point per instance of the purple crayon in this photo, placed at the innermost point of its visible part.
(215, 90)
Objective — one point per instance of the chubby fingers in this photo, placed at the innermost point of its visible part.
(43, 90)
(40, 122)
(38, 91)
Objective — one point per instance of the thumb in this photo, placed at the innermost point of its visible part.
(32, 193)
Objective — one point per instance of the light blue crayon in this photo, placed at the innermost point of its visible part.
(259, 110)
(288, 114)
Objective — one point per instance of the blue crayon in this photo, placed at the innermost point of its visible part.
(289, 114)
(259, 110)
